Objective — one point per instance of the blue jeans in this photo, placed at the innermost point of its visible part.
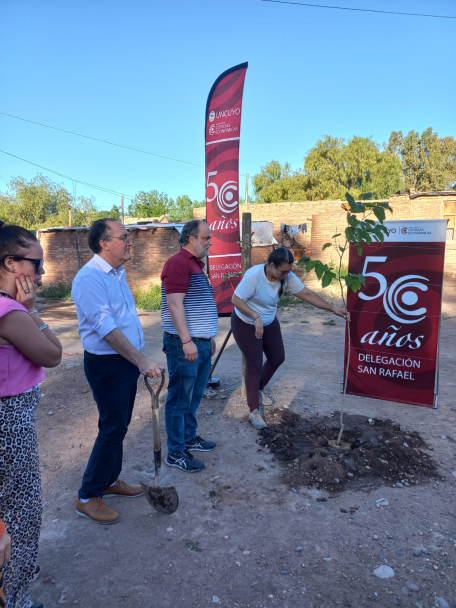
(187, 383)
(113, 381)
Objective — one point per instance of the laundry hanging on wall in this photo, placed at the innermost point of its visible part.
(293, 230)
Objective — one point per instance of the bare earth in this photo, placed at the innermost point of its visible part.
(242, 537)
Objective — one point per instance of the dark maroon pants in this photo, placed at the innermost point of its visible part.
(257, 374)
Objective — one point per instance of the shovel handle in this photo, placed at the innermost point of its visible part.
(155, 394)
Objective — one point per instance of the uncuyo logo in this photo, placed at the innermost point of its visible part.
(399, 294)
(212, 116)
(403, 230)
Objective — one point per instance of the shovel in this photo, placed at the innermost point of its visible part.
(164, 500)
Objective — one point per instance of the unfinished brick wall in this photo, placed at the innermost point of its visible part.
(150, 250)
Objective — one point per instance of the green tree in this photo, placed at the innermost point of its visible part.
(428, 161)
(183, 208)
(40, 203)
(150, 204)
(277, 183)
(335, 166)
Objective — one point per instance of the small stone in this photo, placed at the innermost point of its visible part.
(84, 391)
(443, 436)
(441, 602)
(454, 473)
(284, 571)
(350, 474)
(237, 563)
(405, 445)
(425, 551)
(327, 559)
(336, 480)
(50, 413)
(298, 548)
(47, 579)
(169, 529)
(405, 591)
(382, 502)
(226, 537)
(208, 412)
(215, 600)
(399, 485)
(412, 586)
(417, 553)
(294, 490)
(246, 553)
(375, 537)
(399, 553)
(384, 572)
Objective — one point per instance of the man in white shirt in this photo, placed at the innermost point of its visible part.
(112, 338)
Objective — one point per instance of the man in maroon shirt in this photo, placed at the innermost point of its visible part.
(189, 322)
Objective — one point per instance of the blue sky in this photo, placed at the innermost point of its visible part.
(139, 73)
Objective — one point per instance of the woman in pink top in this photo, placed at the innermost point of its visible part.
(26, 345)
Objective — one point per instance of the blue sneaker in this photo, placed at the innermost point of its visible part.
(200, 445)
(184, 461)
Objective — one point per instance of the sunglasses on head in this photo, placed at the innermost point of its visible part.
(37, 261)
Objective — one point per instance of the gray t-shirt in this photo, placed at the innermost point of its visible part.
(262, 295)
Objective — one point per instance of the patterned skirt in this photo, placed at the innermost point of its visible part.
(20, 492)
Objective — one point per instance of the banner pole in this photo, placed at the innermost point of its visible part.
(246, 264)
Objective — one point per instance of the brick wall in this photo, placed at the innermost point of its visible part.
(150, 250)
(65, 251)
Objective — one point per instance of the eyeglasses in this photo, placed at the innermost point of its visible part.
(37, 261)
(125, 238)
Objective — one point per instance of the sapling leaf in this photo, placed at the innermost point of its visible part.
(311, 265)
(349, 198)
(379, 213)
(366, 196)
(361, 278)
(326, 245)
(303, 260)
(334, 236)
(360, 249)
(327, 278)
(319, 270)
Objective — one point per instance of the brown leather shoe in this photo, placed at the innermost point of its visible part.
(97, 511)
(121, 488)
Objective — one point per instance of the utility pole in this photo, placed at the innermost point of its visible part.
(69, 214)
(122, 207)
(246, 236)
(247, 189)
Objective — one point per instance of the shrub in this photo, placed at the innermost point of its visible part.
(148, 298)
(59, 291)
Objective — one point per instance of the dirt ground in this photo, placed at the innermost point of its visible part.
(247, 533)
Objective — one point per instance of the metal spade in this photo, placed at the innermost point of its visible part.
(164, 500)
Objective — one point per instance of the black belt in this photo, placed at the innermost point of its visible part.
(192, 337)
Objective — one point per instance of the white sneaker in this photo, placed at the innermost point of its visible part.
(264, 399)
(257, 420)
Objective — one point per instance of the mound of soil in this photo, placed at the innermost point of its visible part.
(379, 452)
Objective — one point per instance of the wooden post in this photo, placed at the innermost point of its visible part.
(246, 237)
(247, 189)
(122, 208)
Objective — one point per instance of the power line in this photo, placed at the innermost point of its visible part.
(360, 10)
(107, 190)
(110, 143)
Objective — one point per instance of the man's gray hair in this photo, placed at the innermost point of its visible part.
(190, 229)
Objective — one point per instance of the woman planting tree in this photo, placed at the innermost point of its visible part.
(256, 328)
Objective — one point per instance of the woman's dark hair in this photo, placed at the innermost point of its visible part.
(190, 229)
(99, 231)
(14, 240)
(278, 257)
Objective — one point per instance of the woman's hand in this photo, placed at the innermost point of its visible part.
(340, 312)
(259, 329)
(26, 292)
(5, 549)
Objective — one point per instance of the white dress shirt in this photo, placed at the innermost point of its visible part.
(104, 302)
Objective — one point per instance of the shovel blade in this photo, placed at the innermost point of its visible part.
(163, 500)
